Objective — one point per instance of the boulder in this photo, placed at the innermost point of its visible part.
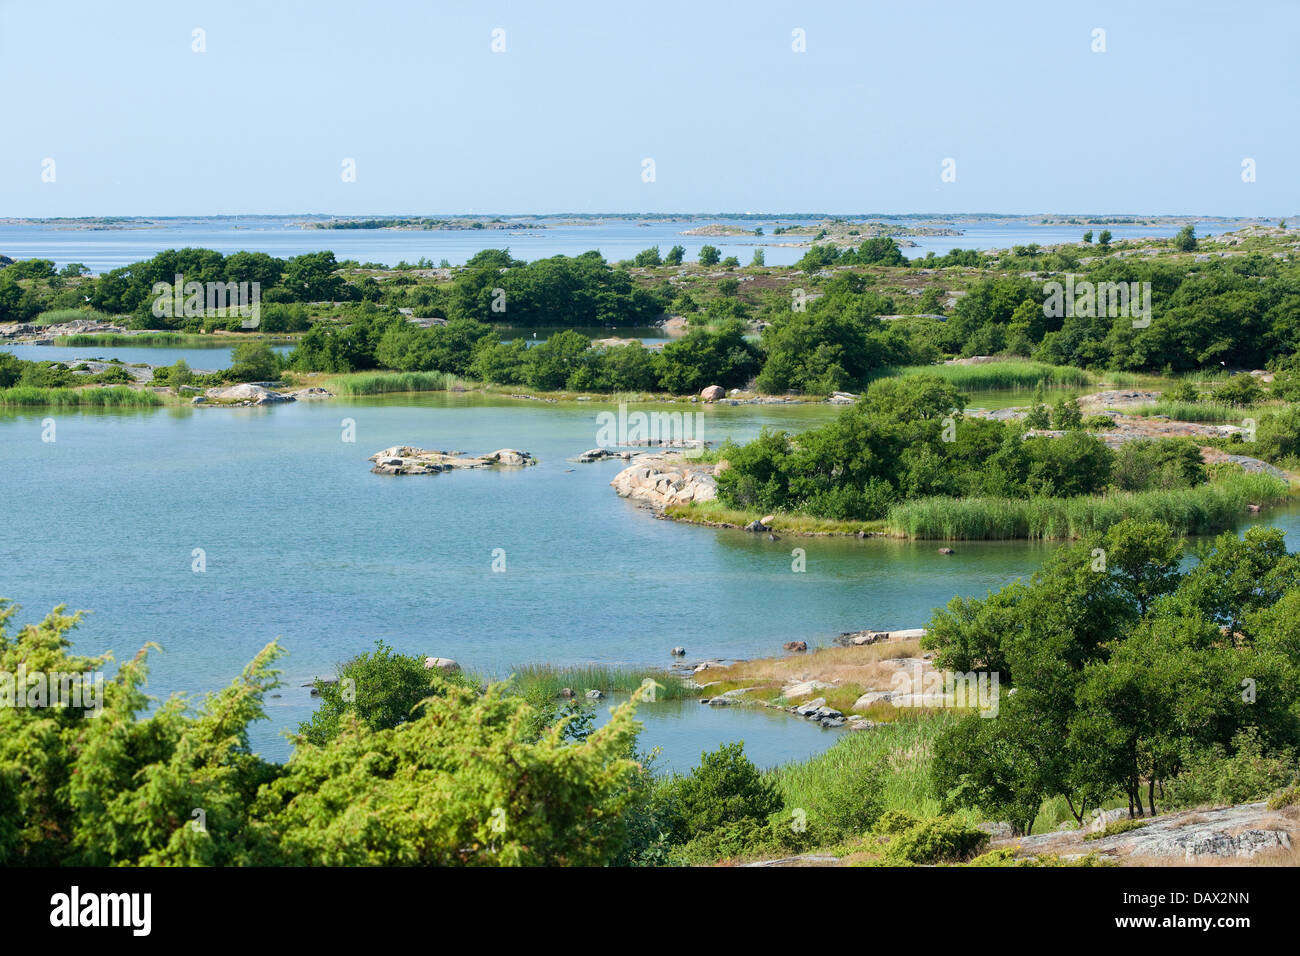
(872, 697)
(444, 664)
(712, 393)
(803, 689)
(795, 645)
(594, 695)
(246, 393)
(662, 484)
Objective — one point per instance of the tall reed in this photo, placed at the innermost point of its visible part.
(117, 396)
(1201, 510)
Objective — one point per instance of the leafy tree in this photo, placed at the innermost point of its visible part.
(254, 362)
(709, 255)
(1185, 241)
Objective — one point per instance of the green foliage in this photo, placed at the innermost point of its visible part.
(1204, 509)
(1241, 772)
(114, 397)
(1165, 464)
(379, 689)
(1239, 391)
(935, 840)
(1288, 797)
(726, 788)
(465, 778)
(253, 362)
(709, 255)
(1128, 674)
(1185, 241)
(1066, 415)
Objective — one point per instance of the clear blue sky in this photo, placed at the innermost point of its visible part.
(138, 124)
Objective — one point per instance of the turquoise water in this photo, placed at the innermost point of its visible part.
(303, 543)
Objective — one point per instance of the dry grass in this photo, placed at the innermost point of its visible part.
(830, 664)
(852, 670)
(1278, 857)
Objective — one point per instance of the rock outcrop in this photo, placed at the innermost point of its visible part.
(1241, 832)
(661, 483)
(246, 393)
(409, 460)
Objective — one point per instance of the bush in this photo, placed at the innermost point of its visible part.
(385, 690)
(936, 840)
(1287, 797)
(726, 788)
(253, 362)
(1212, 776)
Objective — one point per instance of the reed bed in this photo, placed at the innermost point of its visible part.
(1205, 412)
(548, 680)
(1202, 510)
(117, 396)
(385, 383)
(901, 750)
(1011, 375)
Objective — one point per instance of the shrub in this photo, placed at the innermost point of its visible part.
(936, 840)
(386, 689)
(1287, 797)
(726, 788)
(895, 821)
(1212, 776)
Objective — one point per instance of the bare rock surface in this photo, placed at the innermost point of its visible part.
(1241, 832)
(660, 482)
(409, 460)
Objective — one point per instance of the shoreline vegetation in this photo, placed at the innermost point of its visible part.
(1155, 666)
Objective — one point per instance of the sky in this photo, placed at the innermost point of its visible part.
(662, 106)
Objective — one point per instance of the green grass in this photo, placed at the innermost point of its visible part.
(1201, 510)
(716, 512)
(1012, 374)
(60, 316)
(548, 680)
(902, 749)
(383, 383)
(1209, 412)
(115, 397)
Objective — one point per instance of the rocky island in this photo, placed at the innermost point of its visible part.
(409, 460)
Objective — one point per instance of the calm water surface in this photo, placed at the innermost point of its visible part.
(101, 250)
(303, 543)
